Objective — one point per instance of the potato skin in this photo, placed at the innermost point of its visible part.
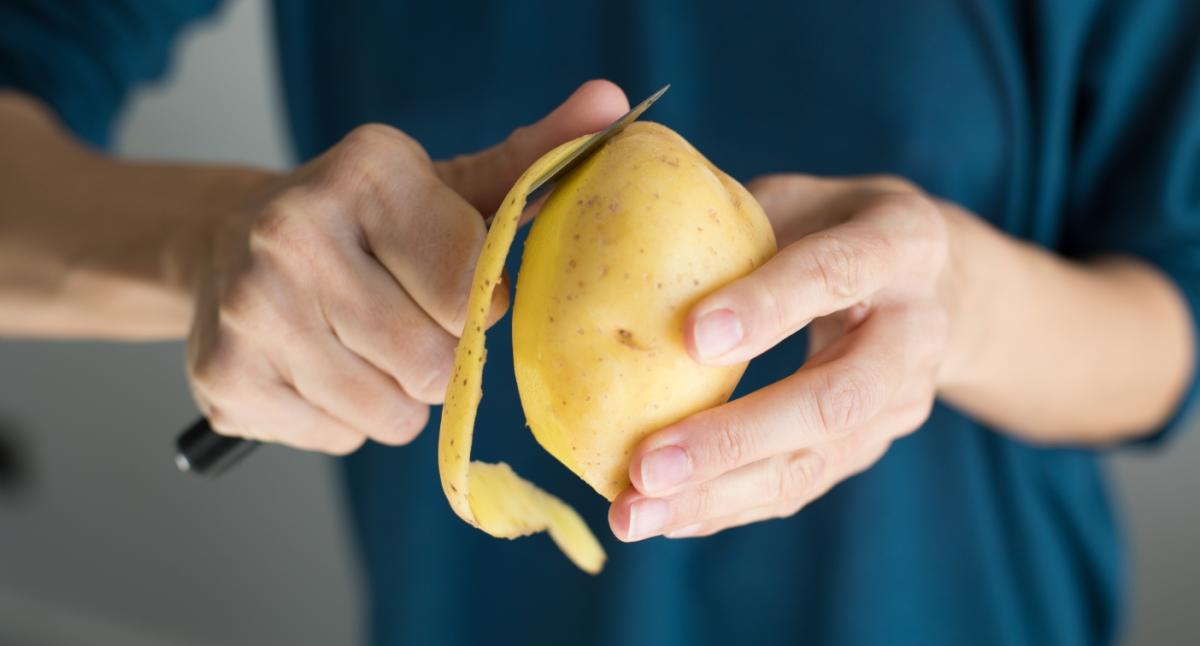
(616, 257)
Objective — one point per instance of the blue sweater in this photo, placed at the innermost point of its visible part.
(1074, 124)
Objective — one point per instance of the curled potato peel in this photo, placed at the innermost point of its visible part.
(493, 497)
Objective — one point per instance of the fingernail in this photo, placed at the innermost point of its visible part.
(716, 333)
(685, 531)
(647, 517)
(664, 468)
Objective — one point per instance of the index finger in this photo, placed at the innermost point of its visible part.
(815, 276)
(484, 178)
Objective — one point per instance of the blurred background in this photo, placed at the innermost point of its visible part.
(102, 541)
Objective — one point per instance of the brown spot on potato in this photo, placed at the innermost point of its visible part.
(626, 338)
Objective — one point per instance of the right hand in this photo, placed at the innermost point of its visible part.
(329, 309)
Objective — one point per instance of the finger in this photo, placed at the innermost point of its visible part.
(428, 238)
(777, 487)
(377, 320)
(806, 409)
(814, 276)
(420, 230)
(845, 459)
(354, 392)
(842, 458)
(706, 528)
(484, 178)
(277, 413)
(798, 204)
(635, 517)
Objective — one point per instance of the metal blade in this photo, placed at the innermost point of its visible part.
(592, 145)
(571, 161)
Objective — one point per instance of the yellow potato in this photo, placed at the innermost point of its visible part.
(627, 242)
(621, 250)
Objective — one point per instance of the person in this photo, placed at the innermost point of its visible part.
(988, 217)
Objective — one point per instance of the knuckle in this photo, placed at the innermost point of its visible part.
(847, 399)
(868, 455)
(240, 301)
(433, 389)
(369, 134)
(704, 502)
(788, 506)
(379, 136)
(796, 474)
(919, 221)
(213, 372)
(366, 157)
(285, 230)
(915, 413)
(404, 424)
(786, 509)
(770, 183)
(890, 182)
(220, 422)
(839, 266)
(330, 438)
(341, 443)
(730, 444)
(775, 307)
(936, 332)
(371, 143)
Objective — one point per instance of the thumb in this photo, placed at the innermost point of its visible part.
(484, 177)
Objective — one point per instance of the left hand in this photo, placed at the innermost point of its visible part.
(864, 263)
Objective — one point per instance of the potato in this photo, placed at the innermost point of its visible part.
(616, 257)
(625, 244)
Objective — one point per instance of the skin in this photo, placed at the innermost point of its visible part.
(907, 298)
(321, 308)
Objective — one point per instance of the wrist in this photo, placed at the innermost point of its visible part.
(218, 205)
(966, 291)
(137, 275)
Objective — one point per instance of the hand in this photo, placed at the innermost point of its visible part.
(330, 308)
(864, 264)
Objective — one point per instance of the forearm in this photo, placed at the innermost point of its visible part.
(1057, 351)
(92, 247)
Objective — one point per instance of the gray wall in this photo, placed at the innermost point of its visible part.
(101, 542)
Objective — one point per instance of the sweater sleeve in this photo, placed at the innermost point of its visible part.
(82, 57)
(1136, 180)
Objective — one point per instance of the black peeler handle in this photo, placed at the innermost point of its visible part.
(205, 452)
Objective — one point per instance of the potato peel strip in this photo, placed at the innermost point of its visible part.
(493, 497)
